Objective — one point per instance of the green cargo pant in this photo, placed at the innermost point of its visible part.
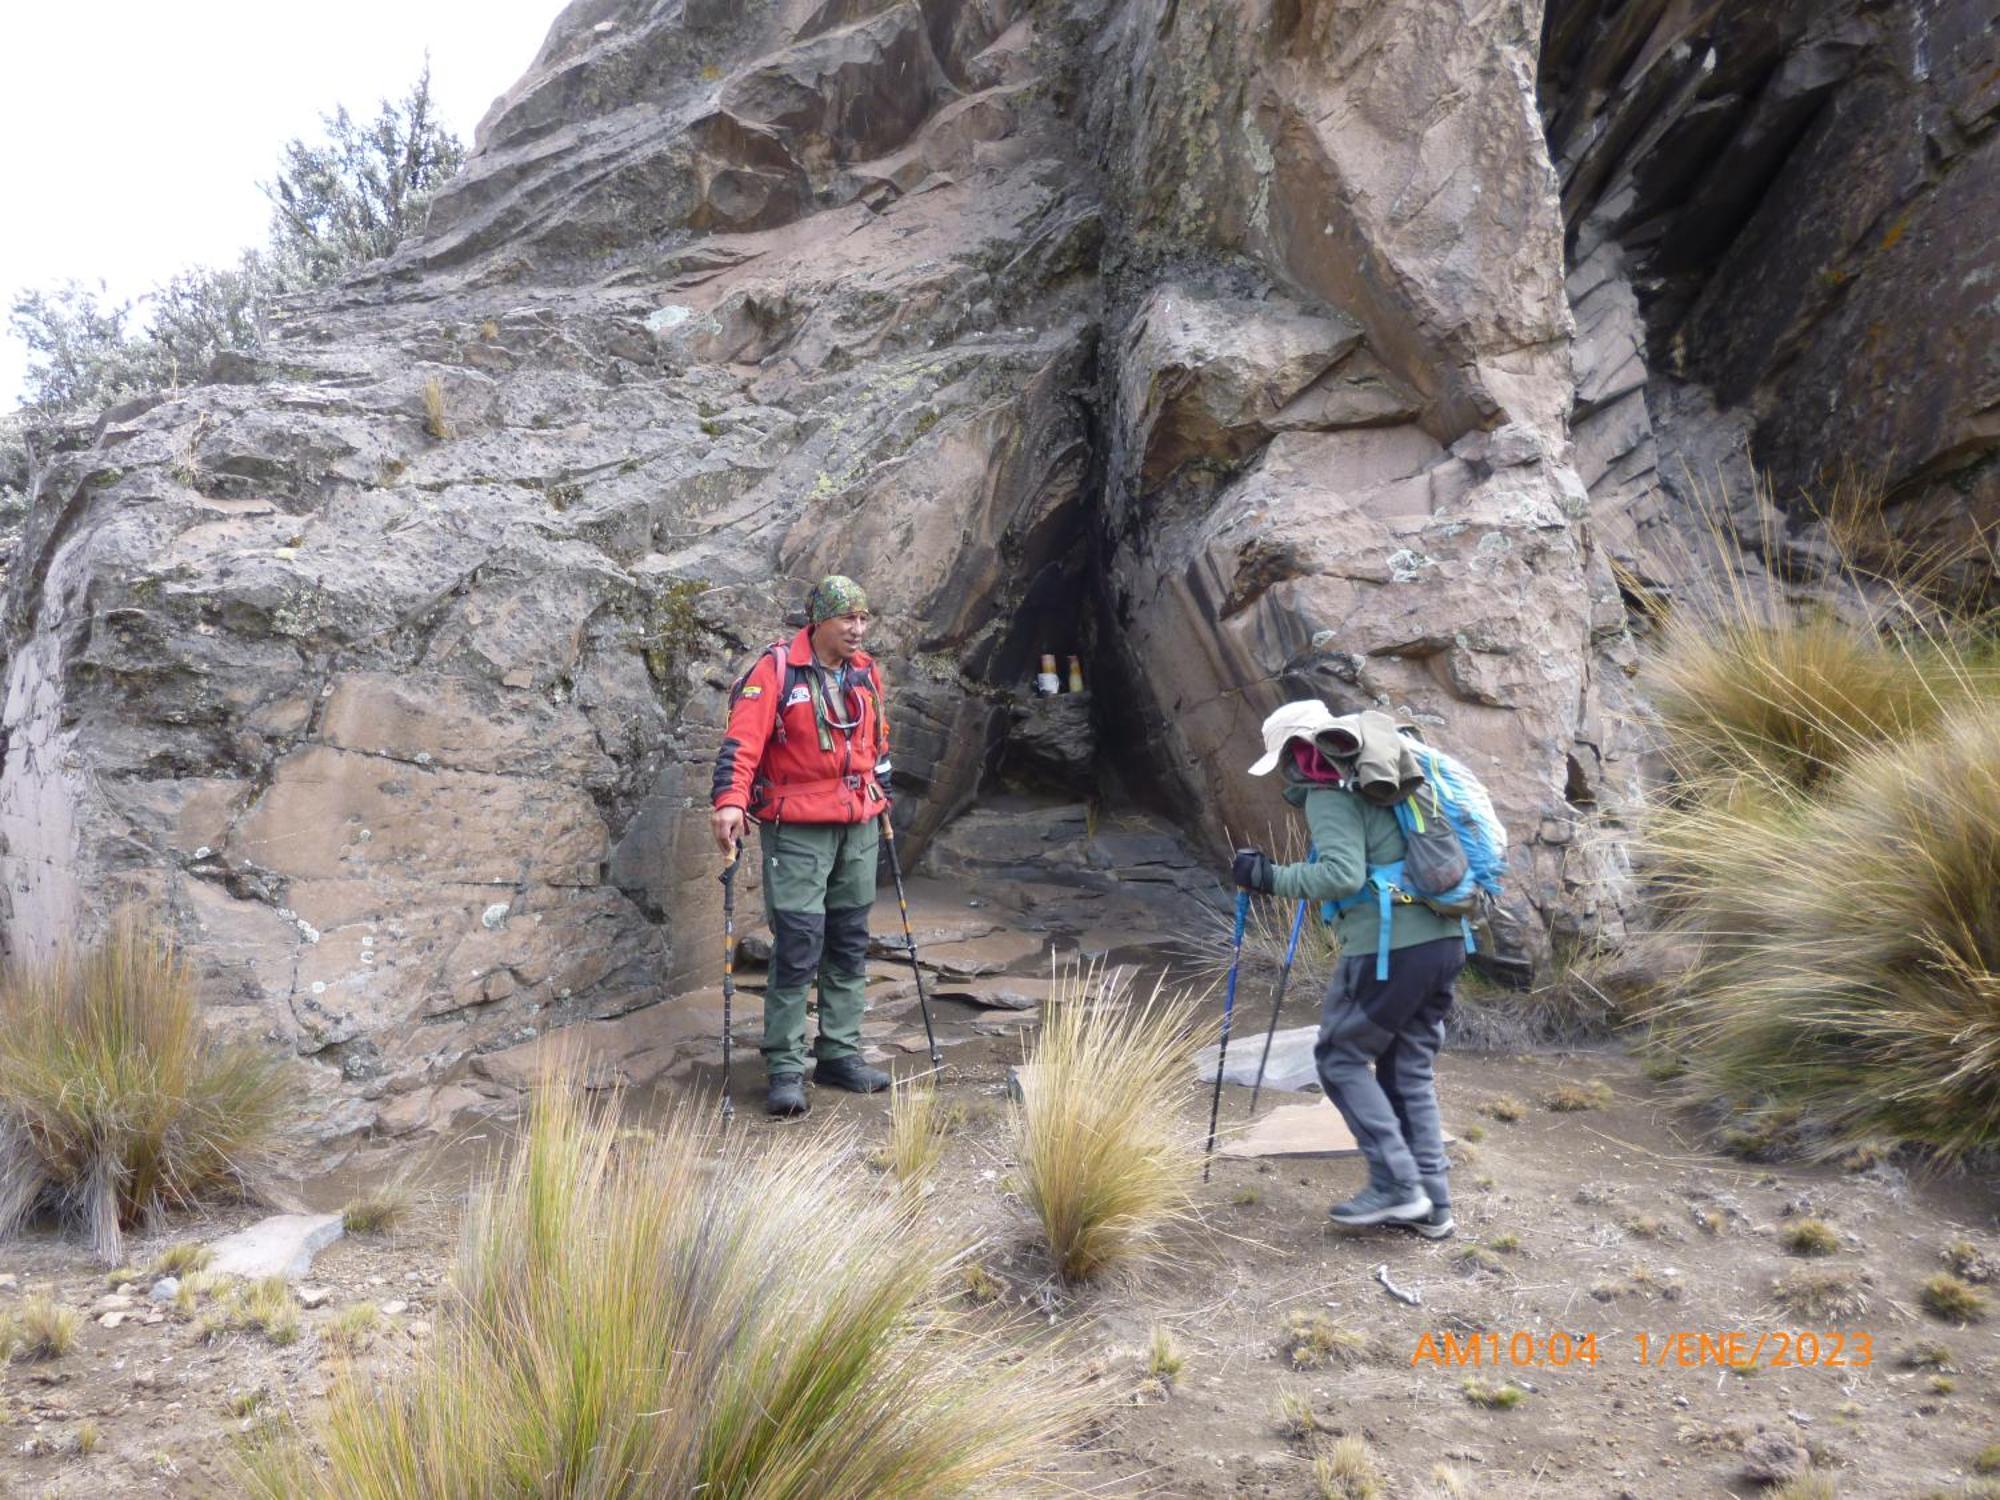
(819, 881)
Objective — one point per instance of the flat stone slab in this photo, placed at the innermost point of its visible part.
(283, 1245)
(1291, 1065)
(1315, 1130)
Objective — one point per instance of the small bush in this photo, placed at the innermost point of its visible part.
(1506, 1109)
(1945, 1296)
(48, 1330)
(1347, 1471)
(1926, 1357)
(114, 1104)
(1313, 1341)
(1106, 1163)
(1507, 1243)
(1987, 1460)
(1472, 1135)
(1504, 1397)
(1809, 1237)
(812, 1350)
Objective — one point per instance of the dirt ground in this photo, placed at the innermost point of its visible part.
(1616, 1224)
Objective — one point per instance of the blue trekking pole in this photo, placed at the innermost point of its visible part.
(1278, 1001)
(1228, 1009)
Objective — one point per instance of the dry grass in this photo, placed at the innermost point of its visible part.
(1966, 1260)
(1295, 1418)
(979, 1284)
(1346, 1471)
(1821, 1294)
(1312, 1341)
(352, 1329)
(1503, 1397)
(1945, 1296)
(437, 418)
(1869, 1002)
(46, 1329)
(114, 1103)
(1164, 1359)
(1811, 1485)
(381, 1206)
(1573, 1098)
(1106, 1164)
(1809, 1237)
(183, 1259)
(813, 1347)
(1447, 1483)
(1506, 1109)
(919, 1125)
(265, 1307)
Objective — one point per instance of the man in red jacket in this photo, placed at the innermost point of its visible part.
(803, 754)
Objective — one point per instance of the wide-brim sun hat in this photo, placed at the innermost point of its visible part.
(1292, 721)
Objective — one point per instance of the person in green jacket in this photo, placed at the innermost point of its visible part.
(1378, 1039)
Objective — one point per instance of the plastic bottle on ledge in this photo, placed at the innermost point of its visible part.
(1075, 675)
(1047, 683)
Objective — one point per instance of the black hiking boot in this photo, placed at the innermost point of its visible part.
(849, 1073)
(786, 1095)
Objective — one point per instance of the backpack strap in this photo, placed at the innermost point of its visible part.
(1386, 880)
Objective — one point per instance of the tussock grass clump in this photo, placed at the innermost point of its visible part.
(1821, 1294)
(1945, 1296)
(46, 1328)
(1811, 1485)
(813, 1349)
(1506, 1109)
(1987, 1460)
(1870, 999)
(1164, 1359)
(114, 1104)
(1447, 1483)
(1312, 1341)
(10, 1337)
(1967, 1261)
(352, 1329)
(265, 1307)
(1573, 1098)
(379, 1207)
(1503, 1397)
(1809, 1237)
(182, 1259)
(1106, 1164)
(1295, 1418)
(1926, 1356)
(919, 1124)
(437, 416)
(1346, 1471)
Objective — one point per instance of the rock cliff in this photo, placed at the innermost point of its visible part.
(1784, 220)
(1227, 346)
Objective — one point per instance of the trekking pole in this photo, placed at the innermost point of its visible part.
(1228, 1008)
(1277, 1004)
(728, 971)
(910, 940)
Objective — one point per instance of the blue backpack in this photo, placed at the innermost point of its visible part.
(1455, 852)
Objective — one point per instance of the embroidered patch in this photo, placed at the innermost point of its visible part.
(800, 694)
(755, 690)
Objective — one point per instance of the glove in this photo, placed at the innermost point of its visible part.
(1252, 871)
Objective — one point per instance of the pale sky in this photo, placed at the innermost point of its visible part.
(133, 133)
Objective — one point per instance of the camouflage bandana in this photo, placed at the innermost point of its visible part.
(832, 597)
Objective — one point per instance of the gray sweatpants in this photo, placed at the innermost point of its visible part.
(1377, 1056)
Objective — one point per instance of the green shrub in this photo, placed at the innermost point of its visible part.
(114, 1103)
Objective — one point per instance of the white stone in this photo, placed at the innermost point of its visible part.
(1291, 1065)
(314, 1296)
(283, 1245)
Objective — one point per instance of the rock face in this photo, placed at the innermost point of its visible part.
(1225, 346)
(1784, 219)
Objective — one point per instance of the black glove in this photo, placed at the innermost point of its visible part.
(1252, 871)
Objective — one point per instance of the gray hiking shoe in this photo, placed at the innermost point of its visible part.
(1435, 1225)
(849, 1073)
(786, 1095)
(1398, 1204)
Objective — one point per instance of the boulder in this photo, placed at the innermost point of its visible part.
(283, 1245)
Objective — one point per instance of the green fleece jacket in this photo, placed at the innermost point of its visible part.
(1350, 835)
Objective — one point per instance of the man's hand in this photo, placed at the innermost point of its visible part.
(1252, 870)
(727, 825)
